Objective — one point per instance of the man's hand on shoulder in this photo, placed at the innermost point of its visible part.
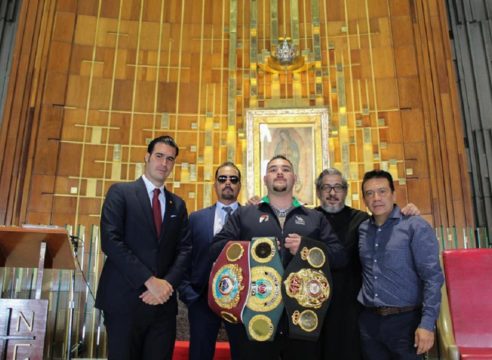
(424, 339)
(255, 200)
(158, 291)
(410, 209)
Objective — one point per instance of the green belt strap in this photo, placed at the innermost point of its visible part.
(264, 306)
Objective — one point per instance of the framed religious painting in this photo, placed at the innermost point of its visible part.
(299, 134)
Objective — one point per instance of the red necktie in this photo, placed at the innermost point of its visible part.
(156, 210)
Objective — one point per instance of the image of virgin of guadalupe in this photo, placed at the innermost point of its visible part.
(288, 147)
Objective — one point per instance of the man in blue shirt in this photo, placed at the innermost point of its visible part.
(402, 277)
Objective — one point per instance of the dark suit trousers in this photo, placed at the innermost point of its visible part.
(148, 332)
(340, 337)
(204, 327)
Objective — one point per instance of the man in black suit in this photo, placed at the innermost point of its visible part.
(145, 236)
(204, 224)
(340, 336)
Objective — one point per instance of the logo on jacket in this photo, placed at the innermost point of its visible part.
(264, 218)
(299, 220)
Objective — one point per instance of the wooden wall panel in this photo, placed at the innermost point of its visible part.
(114, 75)
(443, 125)
(386, 94)
(94, 80)
(413, 125)
(20, 115)
(409, 93)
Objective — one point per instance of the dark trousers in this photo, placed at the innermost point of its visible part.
(340, 337)
(389, 337)
(204, 327)
(146, 333)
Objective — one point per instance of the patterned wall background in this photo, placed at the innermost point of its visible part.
(122, 72)
(92, 81)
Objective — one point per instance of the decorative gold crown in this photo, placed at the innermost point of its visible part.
(284, 58)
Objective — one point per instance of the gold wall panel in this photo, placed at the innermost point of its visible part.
(93, 81)
(120, 72)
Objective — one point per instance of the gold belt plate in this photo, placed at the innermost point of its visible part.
(309, 287)
(265, 292)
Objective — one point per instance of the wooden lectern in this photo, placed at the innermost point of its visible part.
(23, 321)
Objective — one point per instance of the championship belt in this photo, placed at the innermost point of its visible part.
(264, 306)
(306, 290)
(229, 281)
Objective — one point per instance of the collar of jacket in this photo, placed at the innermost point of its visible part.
(295, 202)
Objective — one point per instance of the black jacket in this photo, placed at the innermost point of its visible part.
(260, 220)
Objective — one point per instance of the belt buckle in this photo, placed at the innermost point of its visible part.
(386, 310)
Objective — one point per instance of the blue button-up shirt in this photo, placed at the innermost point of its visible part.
(400, 265)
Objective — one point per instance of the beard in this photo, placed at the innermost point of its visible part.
(280, 188)
(227, 195)
(279, 185)
(333, 209)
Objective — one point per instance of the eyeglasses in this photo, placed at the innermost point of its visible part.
(337, 187)
(223, 178)
(382, 192)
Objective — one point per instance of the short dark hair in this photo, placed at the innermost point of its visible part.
(283, 157)
(378, 174)
(232, 165)
(165, 139)
(330, 171)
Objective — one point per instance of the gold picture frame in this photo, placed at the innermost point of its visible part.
(300, 134)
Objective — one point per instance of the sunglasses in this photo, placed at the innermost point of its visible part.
(223, 178)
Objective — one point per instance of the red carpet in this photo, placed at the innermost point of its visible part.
(221, 351)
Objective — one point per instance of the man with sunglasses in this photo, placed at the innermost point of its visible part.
(204, 224)
(279, 214)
